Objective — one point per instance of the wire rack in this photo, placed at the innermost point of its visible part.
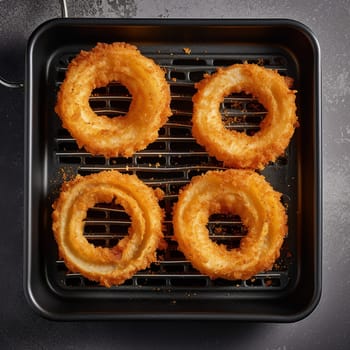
(169, 163)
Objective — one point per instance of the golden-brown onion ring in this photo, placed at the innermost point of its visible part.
(237, 149)
(108, 266)
(148, 111)
(234, 191)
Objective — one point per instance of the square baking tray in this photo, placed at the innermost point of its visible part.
(172, 288)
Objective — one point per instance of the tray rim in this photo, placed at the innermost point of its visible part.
(29, 292)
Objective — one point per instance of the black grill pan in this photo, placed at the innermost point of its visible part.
(172, 288)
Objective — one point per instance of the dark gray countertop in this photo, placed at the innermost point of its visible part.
(326, 328)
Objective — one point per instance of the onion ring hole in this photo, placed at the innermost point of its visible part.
(112, 100)
(106, 224)
(226, 229)
(242, 112)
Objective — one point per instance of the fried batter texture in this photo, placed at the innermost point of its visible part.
(237, 149)
(234, 191)
(108, 266)
(120, 135)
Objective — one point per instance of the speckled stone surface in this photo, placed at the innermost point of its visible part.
(328, 327)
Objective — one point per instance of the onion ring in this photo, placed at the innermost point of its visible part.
(108, 266)
(233, 191)
(148, 111)
(237, 149)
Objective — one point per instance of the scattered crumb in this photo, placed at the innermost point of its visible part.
(159, 193)
(218, 230)
(187, 50)
(260, 61)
